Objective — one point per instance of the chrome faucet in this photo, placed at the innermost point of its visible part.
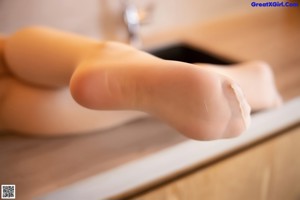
(134, 18)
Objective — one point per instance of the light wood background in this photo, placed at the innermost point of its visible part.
(103, 18)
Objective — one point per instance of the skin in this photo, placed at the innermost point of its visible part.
(175, 92)
(200, 102)
(30, 108)
(255, 78)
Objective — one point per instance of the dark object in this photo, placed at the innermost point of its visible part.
(186, 53)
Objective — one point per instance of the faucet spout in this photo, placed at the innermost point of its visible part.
(132, 21)
(134, 17)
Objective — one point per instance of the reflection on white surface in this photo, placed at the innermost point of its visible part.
(171, 160)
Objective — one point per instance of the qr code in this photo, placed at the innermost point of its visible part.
(8, 191)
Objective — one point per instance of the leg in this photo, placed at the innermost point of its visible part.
(40, 111)
(200, 104)
(44, 56)
(52, 111)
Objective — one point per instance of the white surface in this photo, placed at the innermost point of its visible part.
(167, 162)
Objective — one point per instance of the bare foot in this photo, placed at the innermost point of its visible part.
(200, 104)
(257, 81)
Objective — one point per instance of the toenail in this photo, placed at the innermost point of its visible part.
(243, 104)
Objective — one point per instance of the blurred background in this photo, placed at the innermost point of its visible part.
(104, 18)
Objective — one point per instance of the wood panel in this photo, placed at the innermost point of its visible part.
(269, 171)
